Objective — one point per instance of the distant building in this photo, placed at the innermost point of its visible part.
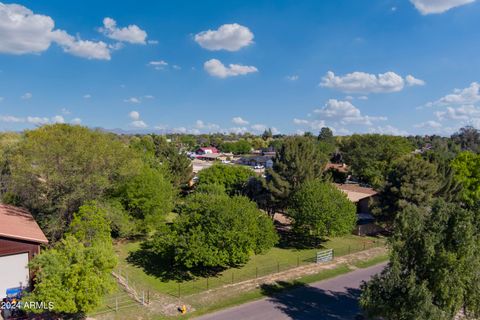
(206, 150)
(362, 197)
(20, 240)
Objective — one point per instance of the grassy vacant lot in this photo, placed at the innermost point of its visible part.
(277, 259)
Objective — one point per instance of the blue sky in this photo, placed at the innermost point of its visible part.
(387, 66)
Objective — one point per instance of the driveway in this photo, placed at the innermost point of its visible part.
(331, 299)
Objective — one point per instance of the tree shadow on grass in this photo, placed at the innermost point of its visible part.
(303, 302)
(291, 240)
(162, 266)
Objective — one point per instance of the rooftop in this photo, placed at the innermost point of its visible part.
(18, 223)
(355, 192)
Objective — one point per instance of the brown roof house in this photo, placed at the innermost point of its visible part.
(20, 240)
(362, 197)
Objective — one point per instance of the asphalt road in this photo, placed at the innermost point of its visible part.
(331, 299)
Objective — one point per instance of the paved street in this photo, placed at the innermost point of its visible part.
(325, 300)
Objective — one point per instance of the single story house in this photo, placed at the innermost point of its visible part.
(20, 240)
(362, 197)
(265, 161)
(206, 150)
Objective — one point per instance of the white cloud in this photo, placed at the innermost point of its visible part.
(230, 37)
(239, 121)
(58, 119)
(10, 119)
(81, 48)
(388, 129)
(136, 121)
(438, 6)
(412, 81)
(131, 34)
(216, 68)
(23, 31)
(134, 115)
(65, 111)
(362, 82)
(345, 112)
(199, 124)
(312, 124)
(149, 96)
(76, 121)
(134, 100)
(87, 96)
(363, 98)
(26, 96)
(431, 124)
(466, 112)
(238, 130)
(469, 95)
(38, 120)
(158, 65)
(259, 127)
(293, 77)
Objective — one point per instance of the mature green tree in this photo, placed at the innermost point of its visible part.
(233, 178)
(75, 274)
(212, 231)
(8, 142)
(56, 168)
(468, 138)
(299, 160)
(319, 209)
(267, 134)
(467, 171)
(178, 163)
(149, 196)
(238, 147)
(370, 156)
(411, 180)
(433, 269)
(325, 134)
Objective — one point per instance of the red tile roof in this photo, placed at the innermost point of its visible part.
(18, 223)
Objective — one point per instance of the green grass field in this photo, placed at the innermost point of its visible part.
(277, 259)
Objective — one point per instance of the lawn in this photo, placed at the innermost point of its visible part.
(277, 259)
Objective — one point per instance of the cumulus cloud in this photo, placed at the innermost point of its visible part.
(76, 121)
(34, 119)
(132, 33)
(259, 127)
(23, 31)
(465, 96)
(437, 6)
(230, 37)
(412, 81)
(466, 112)
(430, 124)
(239, 121)
(312, 124)
(362, 82)
(217, 69)
(199, 124)
(345, 112)
(388, 129)
(136, 121)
